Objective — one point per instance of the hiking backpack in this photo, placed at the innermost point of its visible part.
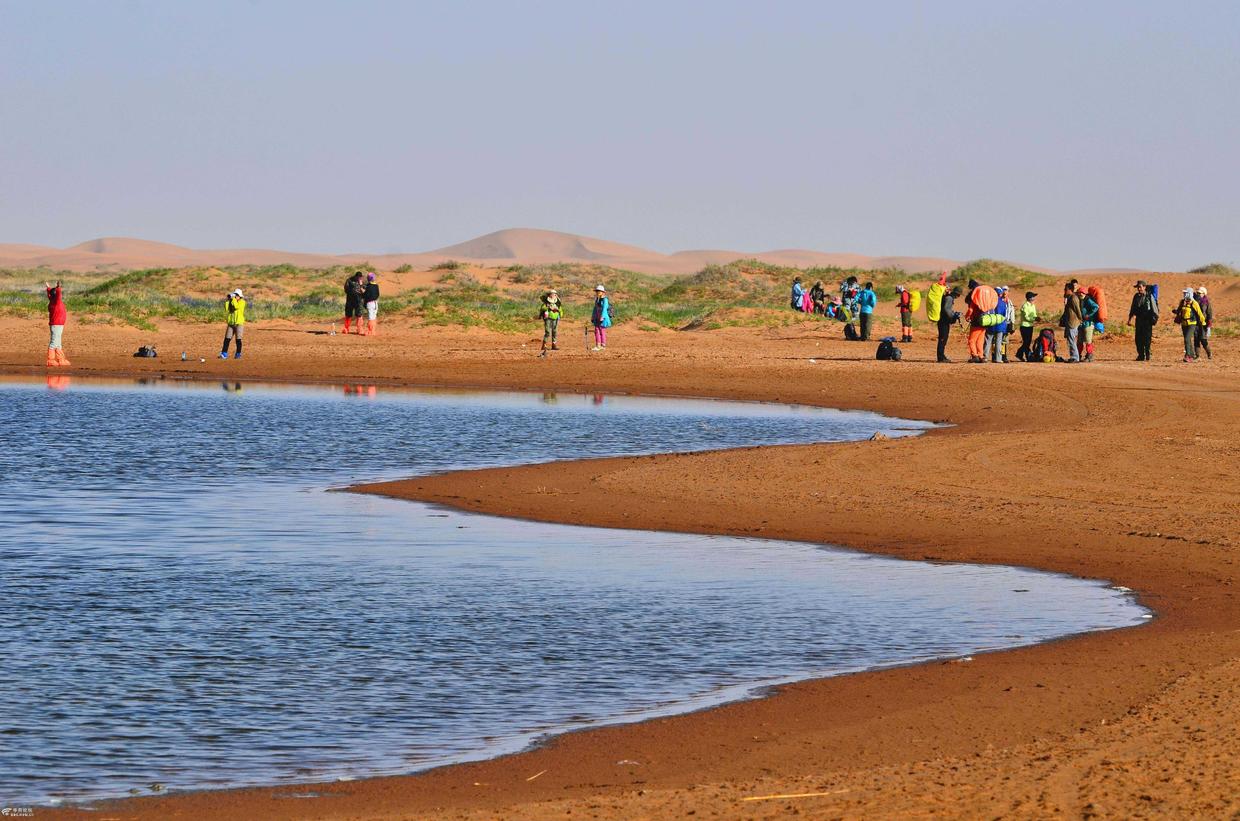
(850, 332)
(1044, 346)
(887, 350)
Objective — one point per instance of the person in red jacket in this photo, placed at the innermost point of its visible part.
(56, 316)
(906, 313)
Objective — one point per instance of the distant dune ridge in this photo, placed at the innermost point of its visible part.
(512, 246)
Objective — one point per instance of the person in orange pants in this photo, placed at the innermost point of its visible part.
(977, 333)
(57, 315)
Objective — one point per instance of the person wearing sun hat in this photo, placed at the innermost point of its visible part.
(1144, 312)
(600, 317)
(235, 304)
(1202, 342)
(549, 311)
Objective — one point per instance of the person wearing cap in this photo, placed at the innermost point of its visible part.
(906, 313)
(1189, 317)
(1144, 313)
(1071, 319)
(1028, 318)
(948, 316)
(549, 311)
(600, 317)
(236, 322)
(1202, 342)
(370, 296)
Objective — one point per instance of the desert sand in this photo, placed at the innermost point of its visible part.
(1117, 470)
(512, 246)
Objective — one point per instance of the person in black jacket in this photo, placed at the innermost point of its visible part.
(354, 288)
(948, 316)
(1144, 312)
(370, 296)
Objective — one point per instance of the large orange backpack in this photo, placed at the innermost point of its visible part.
(1096, 292)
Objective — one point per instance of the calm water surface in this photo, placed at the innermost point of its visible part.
(184, 603)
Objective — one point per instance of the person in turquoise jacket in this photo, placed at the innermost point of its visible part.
(600, 318)
(866, 303)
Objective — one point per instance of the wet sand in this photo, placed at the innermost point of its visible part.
(1117, 470)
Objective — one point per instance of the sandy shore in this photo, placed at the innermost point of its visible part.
(1117, 470)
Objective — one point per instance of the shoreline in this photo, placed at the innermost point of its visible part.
(953, 725)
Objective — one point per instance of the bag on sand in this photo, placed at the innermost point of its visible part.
(1044, 346)
(850, 332)
(146, 352)
(887, 350)
(934, 301)
(914, 301)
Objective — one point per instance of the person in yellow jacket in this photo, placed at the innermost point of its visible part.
(235, 305)
(1189, 316)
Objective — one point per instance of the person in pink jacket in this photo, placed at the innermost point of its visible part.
(56, 317)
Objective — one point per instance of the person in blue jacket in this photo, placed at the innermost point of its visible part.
(866, 303)
(995, 334)
(600, 318)
(798, 294)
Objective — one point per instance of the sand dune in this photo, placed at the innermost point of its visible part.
(508, 247)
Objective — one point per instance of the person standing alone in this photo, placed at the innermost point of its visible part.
(236, 322)
(1144, 312)
(906, 313)
(57, 315)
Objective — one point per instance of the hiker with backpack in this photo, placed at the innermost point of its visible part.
(1203, 331)
(57, 316)
(850, 291)
(1190, 318)
(600, 317)
(906, 313)
(235, 309)
(948, 317)
(354, 291)
(996, 334)
(867, 301)
(370, 298)
(1089, 314)
(1071, 319)
(798, 294)
(550, 310)
(1144, 312)
(1028, 318)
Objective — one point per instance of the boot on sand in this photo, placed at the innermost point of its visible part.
(52, 361)
(61, 359)
(370, 327)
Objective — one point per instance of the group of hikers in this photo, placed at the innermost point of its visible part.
(551, 311)
(990, 314)
(992, 318)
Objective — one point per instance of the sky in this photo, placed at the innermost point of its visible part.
(1065, 134)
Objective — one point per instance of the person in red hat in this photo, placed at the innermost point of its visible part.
(57, 315)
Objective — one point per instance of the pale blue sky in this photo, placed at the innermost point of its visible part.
(1067, 134)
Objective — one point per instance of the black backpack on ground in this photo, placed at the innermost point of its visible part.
(887, 350)
(850, 332)
(146, 352)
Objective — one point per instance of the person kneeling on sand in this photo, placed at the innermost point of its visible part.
(550, 311)
(236, 322)
(600, 317)
(371, 297)
(57, 315)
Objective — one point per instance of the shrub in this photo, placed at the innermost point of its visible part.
(448, 265)
(402, 269)
(1215, 269)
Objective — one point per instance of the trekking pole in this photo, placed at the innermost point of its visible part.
(586, 336)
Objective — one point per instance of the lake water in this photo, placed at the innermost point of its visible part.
(184, 603)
